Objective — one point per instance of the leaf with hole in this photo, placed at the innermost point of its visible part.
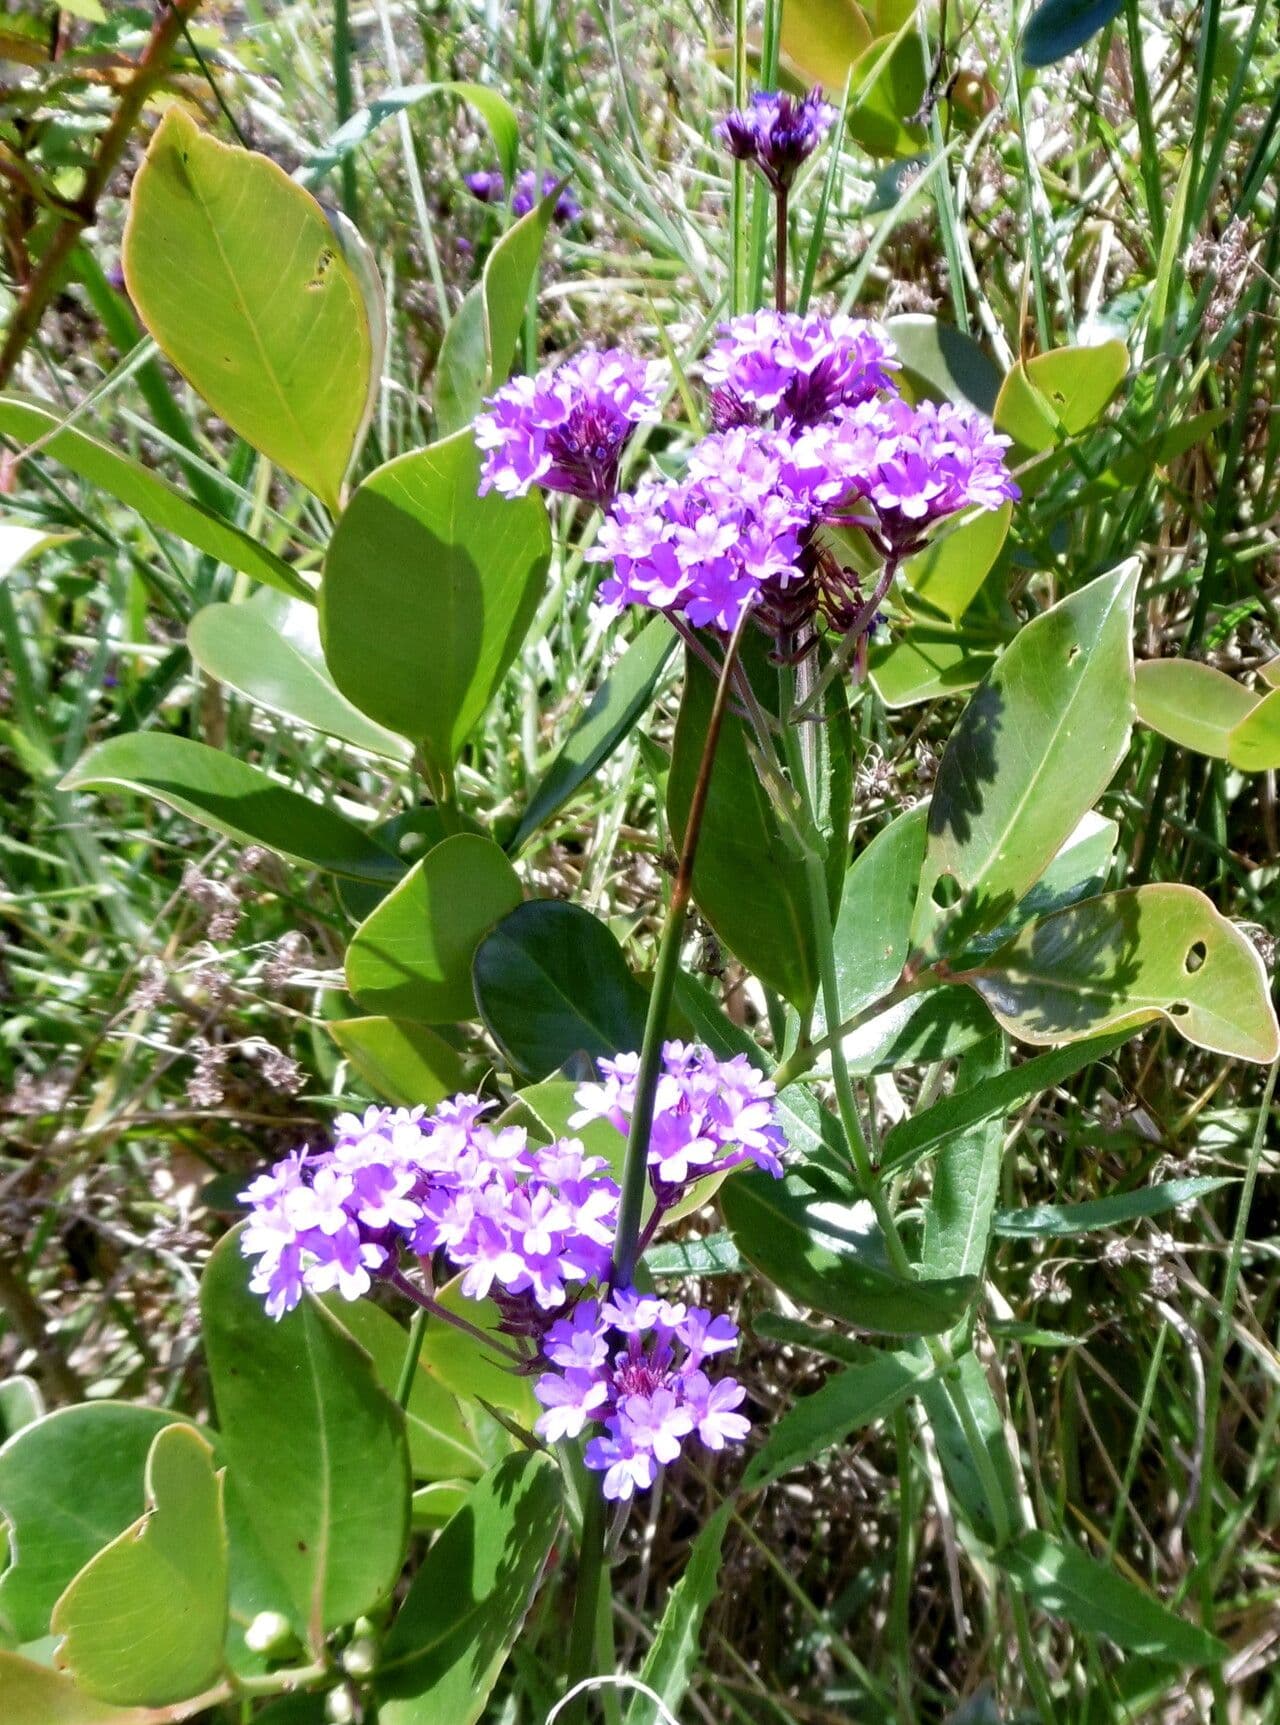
(1067, 1583)
(236, 272)
(275, 661)
(314, 1445)
(831, 1257)
(459, 1619)
(219, 791)
(153, 498)
(412, 958)
(144, 1621)
(1126, 958)
(1192, 704)
(551, 982)
(1032, 752)
(1057, 395)
(405, 1063)
(428, 592)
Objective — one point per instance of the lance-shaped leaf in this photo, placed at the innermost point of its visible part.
(1031, 754)
(412, 957)
(867, 1391)
(830, 1256)
(468, 1600)
(1193, 705)
(144, 1622)
(315, 1447)
(236, 272)
(1128, 957)
(673, 1653)
(429, 590)
(232, 797)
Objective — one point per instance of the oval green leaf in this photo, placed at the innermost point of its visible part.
(314, 1445)
(412, 958)
(143, 1623)
(1058, 27)
(237, 274)
(942, 363)
(232, 797)
(1254, 745)
(34, 1695)
(405, 1063)
(428, 593)
(1033, 751)
(1192, 704)
(823, 38)
(1121, 960)
(551, 982)
(1057, 395)
(887, 82)
(947, 574)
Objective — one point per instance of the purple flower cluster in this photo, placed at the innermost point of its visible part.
(635, 1365)
(709, 1115)
(488, 185)
(521, 1221)
(795, 369)
(566, 428)
(777, 132)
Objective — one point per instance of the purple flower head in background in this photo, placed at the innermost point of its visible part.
(527, 194)
(709, 1115)
(777, 132)
(635, 1365)
(486, 184)
(795, 368)
(566, 428)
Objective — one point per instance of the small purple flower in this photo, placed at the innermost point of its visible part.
(710, 1409)
(797, 368)
(571, 1399)
(566, 428)
(777, 132)
(655, 1422)
(486, 184)
(527, 194)
(626, 1469)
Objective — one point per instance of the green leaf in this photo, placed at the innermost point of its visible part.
(1254, 745)
(1193, 705)
(1078, 871)
(1032, 752)
(1058, 27)
(928, 661)
(1065, 1221)
(315, 1446)
(236, 272)
(408, 835)
(404, 1063)
(614, 712)
(887, 82)
(823, 38)
(947, 574)
(967, 1386)
(412, 958)
(276, 662)
(938, 1024)
(1121, 960)
(69, 1484)
(428, 593)
(158, 502)
(232, 797)
(465, 1366)
(715, 1256)
(464, 1610)
(830, 1257)
(748, 883)
(872, 936)
(942, 363)
(34, 1695)
(853, 1398)
(480, 343)
(440, 1444)
(493, 108)
(673, 1653)
(1055, 396)
(990, 1096)
(21, 1404)
(144, 1621)
(436, 1503)
(966, 1176)
(551, 982)
(1062, 1580)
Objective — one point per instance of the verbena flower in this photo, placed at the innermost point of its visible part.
(795, 367)
(527, 194)
(634, 1365)
(522, 1222)
(709, 1115)
(777, 132)
(566, 428)
(486, 184)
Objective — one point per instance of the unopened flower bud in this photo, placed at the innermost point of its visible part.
(360, 1657)
(271, 1634)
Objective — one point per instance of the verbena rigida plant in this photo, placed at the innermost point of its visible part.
(463, 1341)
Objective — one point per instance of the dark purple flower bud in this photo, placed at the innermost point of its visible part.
(526, 194)
(487, 184)
(777, 132)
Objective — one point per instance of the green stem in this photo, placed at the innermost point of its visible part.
(344, 102)
(409, 1365)
(780, 250)
(586, 1605)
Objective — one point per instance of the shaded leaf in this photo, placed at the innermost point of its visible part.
(551, 982)
(144, 1621)
(466, 1367)
(412, 957)
(464, 1610)
(888, 87)
(927, 661)
(942, 363)
(1121, 960)
(219, 791)
(1065, 1221)
(235, 271)
(32, 1694)
(418, 564)
(404, 1063)
(1058, 27)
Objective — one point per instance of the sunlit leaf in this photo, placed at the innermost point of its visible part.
(1254, 744)
(823, 38)
(403, 1062)
(1056, 395)
(1192, 704)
